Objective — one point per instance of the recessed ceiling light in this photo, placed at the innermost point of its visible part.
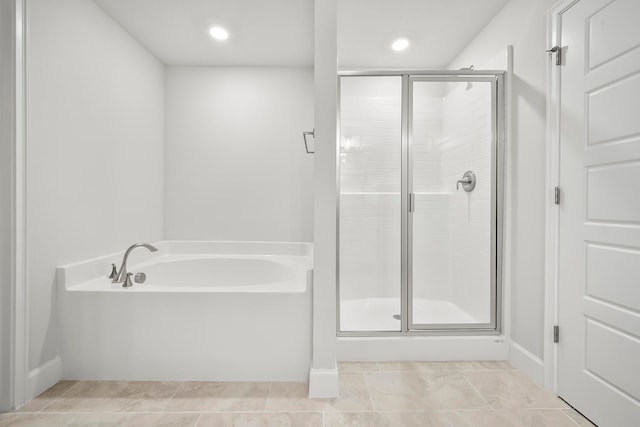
(218, 33)
(400, 44)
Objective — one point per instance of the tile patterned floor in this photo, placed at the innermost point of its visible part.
(438, 394)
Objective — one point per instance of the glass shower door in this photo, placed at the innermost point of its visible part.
(452, 192)
(370, 204)
(419, 203)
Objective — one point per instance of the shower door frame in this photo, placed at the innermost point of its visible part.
(407, 328)
(492, 324)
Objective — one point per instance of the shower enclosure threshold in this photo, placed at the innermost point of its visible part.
(381, 314)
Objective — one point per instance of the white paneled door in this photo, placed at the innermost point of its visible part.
(599, 228)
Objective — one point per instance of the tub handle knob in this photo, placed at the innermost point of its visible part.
(127, 282)
(114, 272)
(139, 277)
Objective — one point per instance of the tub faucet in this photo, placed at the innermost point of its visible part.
(121, 276)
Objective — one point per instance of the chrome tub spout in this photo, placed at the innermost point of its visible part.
(122, 273)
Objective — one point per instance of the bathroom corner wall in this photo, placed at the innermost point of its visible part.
(95, 155)
(235, 164)
(522, 23)
(323, 375)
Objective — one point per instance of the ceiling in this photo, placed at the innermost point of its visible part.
(262, 32)
(280, 32)
(437, 29)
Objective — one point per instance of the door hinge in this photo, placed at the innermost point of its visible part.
(556, 195)
(556, 333)
(412, 202)
(558, 51)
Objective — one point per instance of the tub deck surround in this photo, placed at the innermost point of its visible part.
(214, 311)
(218, 273)
(88, 274)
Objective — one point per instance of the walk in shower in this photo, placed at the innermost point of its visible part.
(420, 202)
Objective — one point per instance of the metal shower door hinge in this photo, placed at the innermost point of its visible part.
(558, 51)
(556, 195)
(556, 333)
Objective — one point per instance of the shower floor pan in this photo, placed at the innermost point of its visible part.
(382, 314)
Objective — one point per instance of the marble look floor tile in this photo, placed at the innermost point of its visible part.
(354, 396)
(397, 366)
(456, 366)
(135, 420)
(464, 365)
(219, 396)
(292, 397)
(422, 390)
(357, 367)
(47, 397)
(34, 420)
(298, 419)
(512, 390)
(356, 419)
(578, 418)
(459, 418)
(513, 418)
(383, 419)
(114, 396)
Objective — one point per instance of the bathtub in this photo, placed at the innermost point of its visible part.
(215, 311)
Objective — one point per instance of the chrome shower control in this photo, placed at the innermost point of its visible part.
(468, 182)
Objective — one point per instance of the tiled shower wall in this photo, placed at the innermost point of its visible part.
(370, 146)
(451, 134)
(430, 217)
(467, 125)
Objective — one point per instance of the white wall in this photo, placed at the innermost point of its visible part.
(7, 13)
(235, 165)
(95, 153)
(522, 23)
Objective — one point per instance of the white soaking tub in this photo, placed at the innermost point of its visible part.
(216, 311)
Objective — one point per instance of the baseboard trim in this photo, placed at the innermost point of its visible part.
(43, 377)
(527, 362)
(323, 383)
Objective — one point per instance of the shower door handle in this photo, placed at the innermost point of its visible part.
(412, 202)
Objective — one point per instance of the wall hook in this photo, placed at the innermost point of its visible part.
(306, 143)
